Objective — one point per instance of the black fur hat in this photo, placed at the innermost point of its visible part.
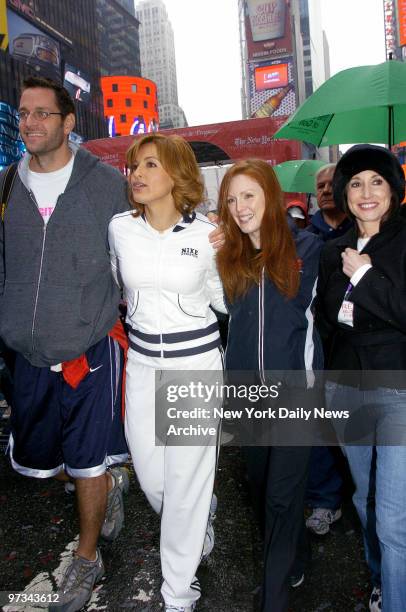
(367, 157)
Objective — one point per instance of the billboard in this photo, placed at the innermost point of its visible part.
(130, 105)
(234, 140)
(402, 22)
(267, 28)
(77, 83)
(11, 145)
(31, 46)
(3, 26)
(390, 28)
(278, 97)
(271, 76)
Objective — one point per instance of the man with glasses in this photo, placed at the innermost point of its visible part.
(58, 306)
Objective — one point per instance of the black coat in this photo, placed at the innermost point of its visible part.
(378, 339)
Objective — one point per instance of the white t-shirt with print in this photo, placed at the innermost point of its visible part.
(48, 186)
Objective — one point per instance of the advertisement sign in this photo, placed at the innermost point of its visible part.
(3, 26)
(130, 105)
(11, 145)
(26, 7)
(77, 83)
(402, 22)
(390, 28)
(271, 76)
(235, 139)
(279, 98)
(33, 47)
(267, 28)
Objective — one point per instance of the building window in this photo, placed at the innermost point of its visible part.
(128, 102)
(109, 102)
(123, 118)
(145, 104)
(114, 87)
(133, 88)
(148, 90)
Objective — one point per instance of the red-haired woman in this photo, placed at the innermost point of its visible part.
(269, 269)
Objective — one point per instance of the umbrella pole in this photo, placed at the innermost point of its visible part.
(390, 135)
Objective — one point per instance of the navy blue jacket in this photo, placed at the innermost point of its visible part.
(268, 331)
(322, 229)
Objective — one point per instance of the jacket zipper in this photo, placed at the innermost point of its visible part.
(44, 233)
(160, 238)
(261, 293)
(40, 267)
(38, 284)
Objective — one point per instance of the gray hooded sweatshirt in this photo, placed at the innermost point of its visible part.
(58, 296)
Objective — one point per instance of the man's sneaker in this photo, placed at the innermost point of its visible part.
(209, 537)
(77, 584)
(70, 487)
(375, 601)
(181, 608)
(114, 519)
(296, 581)
(122, 477)
(321, 518)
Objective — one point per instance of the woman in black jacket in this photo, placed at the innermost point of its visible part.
(361, 306)
(269, 273)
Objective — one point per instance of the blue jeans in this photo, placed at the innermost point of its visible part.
(379, 474)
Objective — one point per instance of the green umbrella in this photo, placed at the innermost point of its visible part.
(363, 104)
(298, 175)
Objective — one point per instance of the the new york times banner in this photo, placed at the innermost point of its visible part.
(280, 408)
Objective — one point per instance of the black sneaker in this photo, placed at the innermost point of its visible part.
(77, 584)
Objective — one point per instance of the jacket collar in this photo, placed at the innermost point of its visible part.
(388, 230)
(83, 163)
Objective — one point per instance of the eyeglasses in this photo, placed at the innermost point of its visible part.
(38, 115)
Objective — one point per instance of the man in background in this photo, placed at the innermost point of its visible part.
(329, 221)
(324, 489)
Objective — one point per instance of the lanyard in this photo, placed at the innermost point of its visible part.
(347, 294)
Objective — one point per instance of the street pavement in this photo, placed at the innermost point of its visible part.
(38, 531)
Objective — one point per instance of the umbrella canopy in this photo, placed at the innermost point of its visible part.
(363, 104)
(298, 175)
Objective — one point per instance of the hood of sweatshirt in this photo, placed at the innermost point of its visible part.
(84, 161)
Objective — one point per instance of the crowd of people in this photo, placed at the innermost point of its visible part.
(302, 294)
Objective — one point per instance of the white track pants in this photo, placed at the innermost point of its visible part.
(177, 480)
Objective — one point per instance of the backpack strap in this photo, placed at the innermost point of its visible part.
(6, 187)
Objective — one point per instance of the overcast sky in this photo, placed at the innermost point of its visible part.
(208, 53)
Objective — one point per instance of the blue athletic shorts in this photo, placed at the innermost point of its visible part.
(55, 427)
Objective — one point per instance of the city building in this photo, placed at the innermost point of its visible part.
(395, 47)
(55, 39)
(395, 29)
(118, 38)
(128, 5)
(158, 62)
(130, 105)
(284, 57)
